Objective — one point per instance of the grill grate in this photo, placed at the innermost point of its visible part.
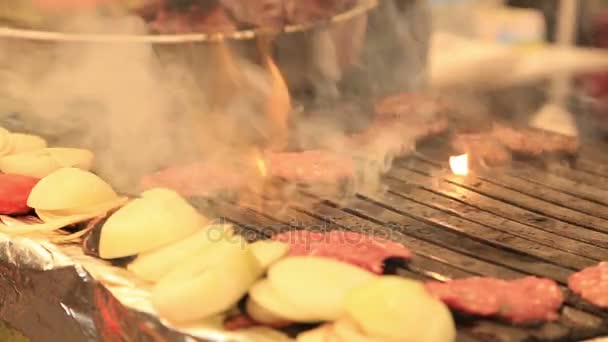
(528, 219)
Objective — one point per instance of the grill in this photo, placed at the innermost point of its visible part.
(531, 218)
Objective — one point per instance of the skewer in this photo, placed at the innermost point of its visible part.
(8, 32)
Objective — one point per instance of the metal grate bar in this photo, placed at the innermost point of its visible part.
(583, 191)
(516, 218)
(540, 191)
(516, 198)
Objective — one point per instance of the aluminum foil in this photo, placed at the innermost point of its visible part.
(52, 292)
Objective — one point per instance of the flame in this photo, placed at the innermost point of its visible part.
(460, 164)
(261, 165)
(256, 157)
(279, 102)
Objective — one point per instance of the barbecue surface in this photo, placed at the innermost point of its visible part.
(525, 219)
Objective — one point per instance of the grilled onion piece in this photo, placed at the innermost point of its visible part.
(317, 286)
(159, 218)
(345, 330)
(267, 306)
(393, 308)
(5, 142)
(208, 284)
(268, 252)
(26, 143)
(153, 265)
(70, 188)
(41, 163)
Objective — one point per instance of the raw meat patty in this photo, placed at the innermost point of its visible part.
(14, 191)
(416, 116)
(368, 252)
(197, 179)
(534, 142)
(310, 166)
(482, 147)
(408, 105)
(592, 284)
(524, 300)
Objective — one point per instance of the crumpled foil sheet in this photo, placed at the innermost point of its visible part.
(52, 292)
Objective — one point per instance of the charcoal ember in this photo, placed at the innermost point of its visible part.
(194, 20)
(522, 301)
(366, 251)
(534, 142)
(482, 148)
(592, 284)
(258, 13)
(14, 192)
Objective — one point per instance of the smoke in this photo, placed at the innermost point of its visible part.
(141, 107)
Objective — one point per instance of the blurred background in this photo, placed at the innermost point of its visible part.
(525, 55)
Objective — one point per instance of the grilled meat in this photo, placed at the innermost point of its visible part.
(366, 251)
(196, 180)
(525, 300)
(592, 284)
(533, 142)
(483, 148)
(310, 167)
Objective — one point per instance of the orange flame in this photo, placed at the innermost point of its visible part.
(261, 164)
(460, 164)
(279, 102)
